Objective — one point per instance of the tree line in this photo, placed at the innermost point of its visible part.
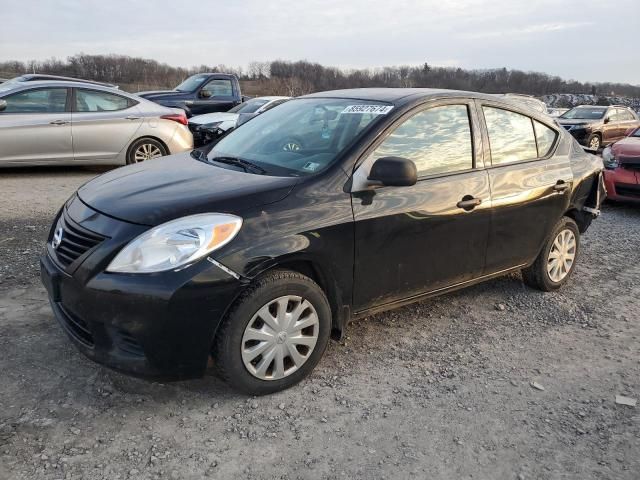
(301, 77)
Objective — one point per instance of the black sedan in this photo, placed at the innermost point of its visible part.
(331, 207)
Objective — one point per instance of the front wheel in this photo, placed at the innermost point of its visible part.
(274, 335)
(557, 260)
(594, 142)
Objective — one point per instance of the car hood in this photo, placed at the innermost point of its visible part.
(627, 147)
(154, 192)
(213, 117)
(159, 93)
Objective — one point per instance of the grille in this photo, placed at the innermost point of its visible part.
(630, 163)
(75, 241)
(128, 343)
(628, 190)
(76, 327)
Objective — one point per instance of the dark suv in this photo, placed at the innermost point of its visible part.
(259, 251)
(595, 126)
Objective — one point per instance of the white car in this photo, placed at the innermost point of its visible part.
(209, 126)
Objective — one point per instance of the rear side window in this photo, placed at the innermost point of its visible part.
(43, 100)
(438, 140)
(219, 88)
(511, 136)
(96, 101)
(545, 138)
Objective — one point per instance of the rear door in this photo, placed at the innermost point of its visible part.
(36, 127)
(529, 184)
(103, 124)
(417, 239)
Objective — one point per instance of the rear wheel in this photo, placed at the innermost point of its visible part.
(274, 335)
(557, 260)
(145, 149)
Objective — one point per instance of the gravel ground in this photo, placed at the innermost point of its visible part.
(442, 389)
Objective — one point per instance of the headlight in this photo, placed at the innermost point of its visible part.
(609, 158)
(176, 243)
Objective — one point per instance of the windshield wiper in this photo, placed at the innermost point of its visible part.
(246, 165)
(199, 155)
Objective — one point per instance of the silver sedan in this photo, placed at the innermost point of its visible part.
(70, 123)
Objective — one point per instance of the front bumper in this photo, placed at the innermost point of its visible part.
(159, 325)
(622, 184)
(581, 135)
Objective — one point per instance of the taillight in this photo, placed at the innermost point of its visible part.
(177, 117)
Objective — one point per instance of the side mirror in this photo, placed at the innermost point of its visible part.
(393, 172)
(627, 133)
(205, 94)
(3, 105)
(607, 120)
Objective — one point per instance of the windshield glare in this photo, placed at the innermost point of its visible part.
(250, 106)
(584, 113)
(191, 83)
(300, 137)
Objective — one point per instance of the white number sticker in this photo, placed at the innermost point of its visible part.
(373, 109)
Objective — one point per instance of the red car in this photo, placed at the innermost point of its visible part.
(622, 163)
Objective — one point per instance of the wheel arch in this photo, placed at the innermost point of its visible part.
(312, 268)
(142, 137)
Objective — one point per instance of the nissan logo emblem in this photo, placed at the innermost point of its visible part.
(57, 237)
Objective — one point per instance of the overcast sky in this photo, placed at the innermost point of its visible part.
(587, 40)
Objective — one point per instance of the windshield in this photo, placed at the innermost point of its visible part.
(584, 113)
(191, 83)
(300, 137)
(250, 106)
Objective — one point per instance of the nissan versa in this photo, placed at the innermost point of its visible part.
(330, 207)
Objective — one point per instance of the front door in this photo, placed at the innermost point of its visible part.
(103, 124)
(215, 96)
(36, 127)
(417, 239)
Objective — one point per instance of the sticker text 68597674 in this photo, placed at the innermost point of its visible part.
(373, 109)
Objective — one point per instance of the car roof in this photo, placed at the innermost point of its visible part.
(398, 95)
(32, 77)
(67, 84)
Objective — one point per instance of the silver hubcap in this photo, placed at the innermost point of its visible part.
(595, 142)
(280, 337)
(562, 255)
(146, 151)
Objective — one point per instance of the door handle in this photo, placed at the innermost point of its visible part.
(468, 203)
(561, 186)
(132, 117)
(58, 122)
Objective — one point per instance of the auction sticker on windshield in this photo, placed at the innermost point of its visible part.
(374, 109)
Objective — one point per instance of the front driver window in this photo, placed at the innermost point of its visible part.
(219, 88)
(438, 140)
(43, 100)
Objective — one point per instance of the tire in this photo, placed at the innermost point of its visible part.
(232, 347)
(538, 275)
(594, 141)
(145, 149)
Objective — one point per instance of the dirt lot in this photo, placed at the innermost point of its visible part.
(438, 390)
